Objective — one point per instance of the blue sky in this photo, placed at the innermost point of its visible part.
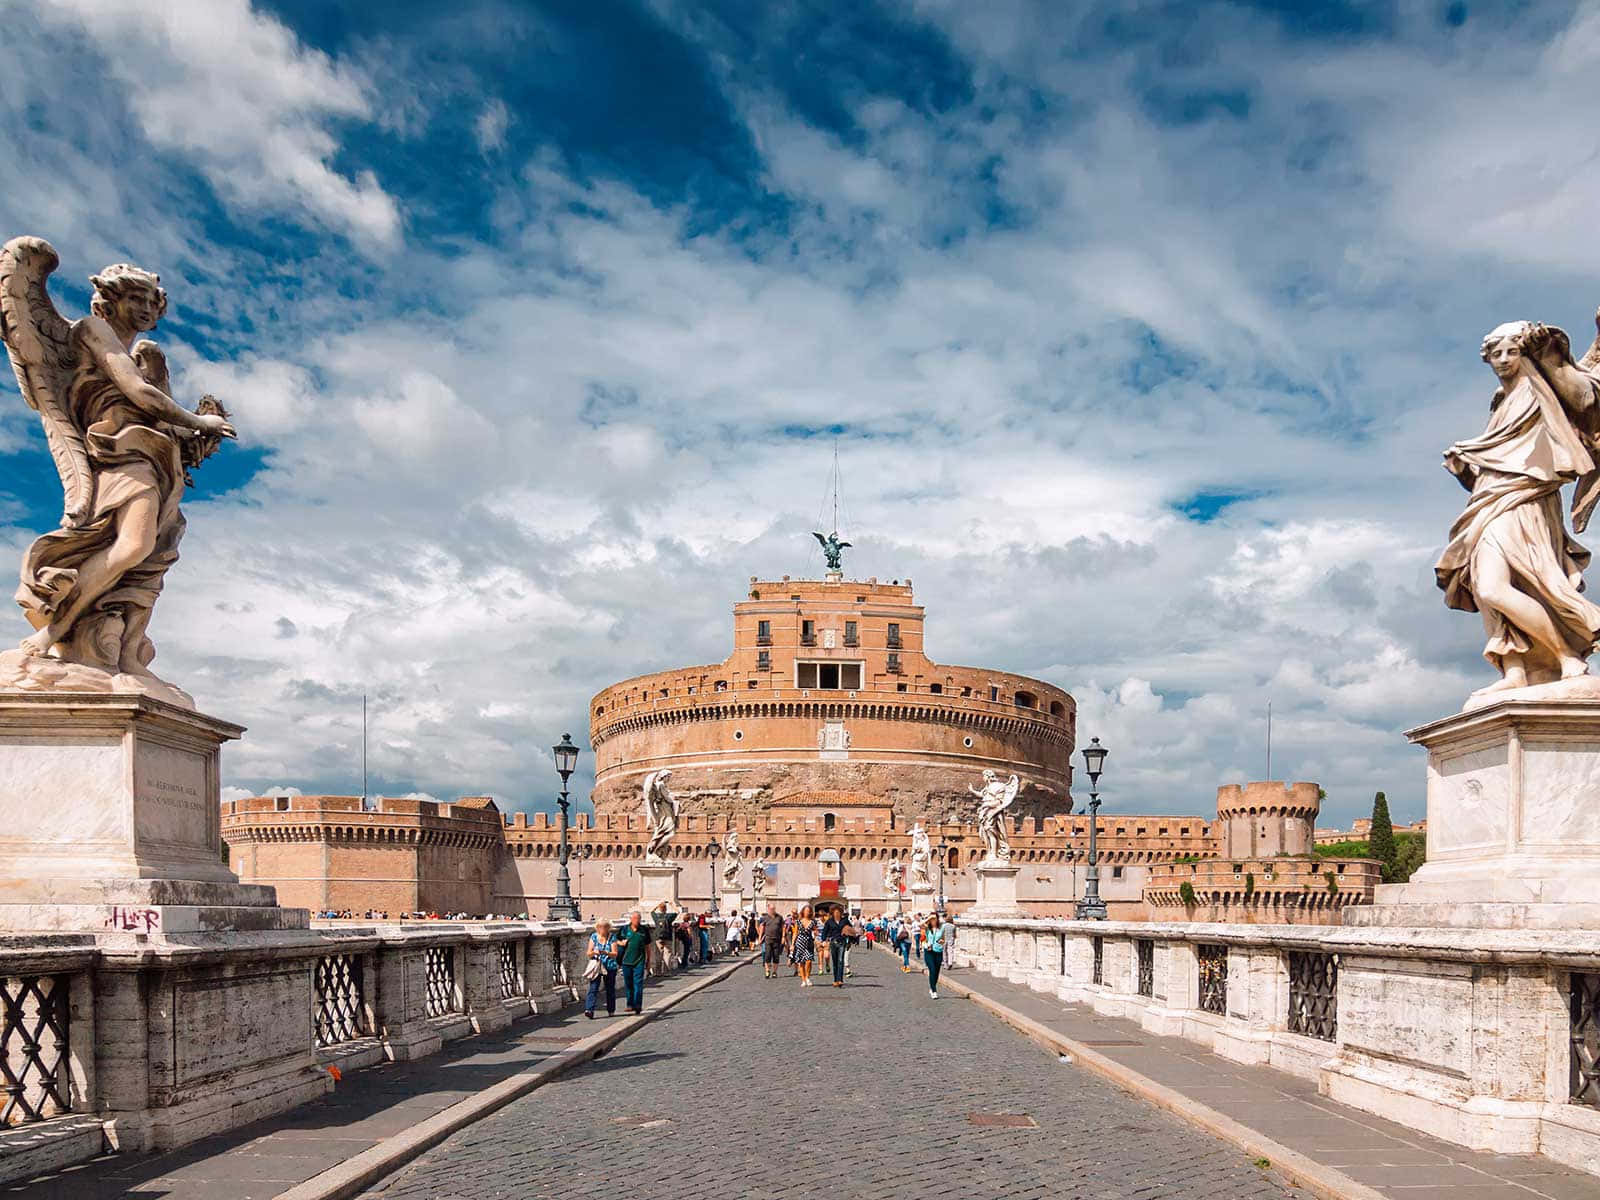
(1141, 327)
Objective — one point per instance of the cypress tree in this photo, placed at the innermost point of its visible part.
(1380, 844)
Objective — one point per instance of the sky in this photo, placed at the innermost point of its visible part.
(1139, 327)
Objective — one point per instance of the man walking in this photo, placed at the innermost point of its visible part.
(635, 957)
(771, 942)
(835, 930)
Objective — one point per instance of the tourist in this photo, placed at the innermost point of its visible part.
(902, 943)
(703, 928)
(603, 949)
(803, 946)
(771, 942)
(662, 923)
(634, 959)
(835, 930)
(933, 942)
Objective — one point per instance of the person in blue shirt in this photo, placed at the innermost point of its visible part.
(933, 942)
(603, 949)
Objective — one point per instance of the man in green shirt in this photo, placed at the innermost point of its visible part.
(635, 941)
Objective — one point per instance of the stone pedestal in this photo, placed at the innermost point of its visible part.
(997, 890)
(658, 882)
(109, 820)
(732, 902)
(922, 902)
(1513, 821)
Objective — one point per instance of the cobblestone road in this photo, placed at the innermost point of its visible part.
(861, 1093)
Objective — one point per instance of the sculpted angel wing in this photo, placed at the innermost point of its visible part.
(39, 340)
(1011, 792)
(1587, 493)
(821, 541)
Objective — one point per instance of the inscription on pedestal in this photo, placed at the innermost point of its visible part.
(172, 796)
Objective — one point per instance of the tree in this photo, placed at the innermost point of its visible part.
(1411, 854)
(1381, 840)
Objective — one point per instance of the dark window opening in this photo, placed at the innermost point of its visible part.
(894, 633)
(828, 822)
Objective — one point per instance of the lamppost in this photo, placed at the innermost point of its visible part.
(944, 853)
(713, 848)
(1091, 907)
(563, 907)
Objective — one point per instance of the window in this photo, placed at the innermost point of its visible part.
(722, 685)
(1116, 872)
(851, 637)
(828, 676)
(752, 683)
(936, 688)
(966, 691)
(763, 633)
(994, 692)
(894, 633)
(1025, 700)
(763, 661)
(894, 667)
(828, 822)
(1057, 709)
(900, 687)
(808, 633)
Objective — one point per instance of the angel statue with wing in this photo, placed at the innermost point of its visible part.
(994, 798)
(732, 861)
(660, 814)
(123, 448)
(832, 549)
(1510, 556)
(921, 858)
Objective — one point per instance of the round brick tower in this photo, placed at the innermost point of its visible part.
(1264, 820)
(828, 701)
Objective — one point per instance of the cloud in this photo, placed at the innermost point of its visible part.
(236, 94)
(1051, 286)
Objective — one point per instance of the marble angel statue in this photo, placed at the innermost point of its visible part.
(758, 881)
(732, 861)
(894, 876)
(994, 798)
(660, 814)
(1510, 556)
(123, 448)
(921, 858)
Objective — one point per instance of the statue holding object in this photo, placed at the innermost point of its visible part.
(123, 448)
(921, 858)
(660, 814)
(732, 861)
(994, 798)
(1510, 556)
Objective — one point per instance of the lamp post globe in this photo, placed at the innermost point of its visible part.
(1091, 907)
(564, 907)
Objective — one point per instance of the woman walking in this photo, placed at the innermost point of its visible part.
(804, 948)
(602, 950)
(933, 937)
(902, 943)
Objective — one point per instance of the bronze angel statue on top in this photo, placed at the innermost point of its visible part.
(832, 549)
(123, 448)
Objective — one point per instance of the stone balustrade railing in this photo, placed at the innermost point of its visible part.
(1487, 1038)
(125, 1043)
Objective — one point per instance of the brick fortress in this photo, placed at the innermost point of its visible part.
(828, 702)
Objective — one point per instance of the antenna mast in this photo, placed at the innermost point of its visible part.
(1269, 740)
(363, 749)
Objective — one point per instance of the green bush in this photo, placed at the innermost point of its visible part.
(1382, 837)
(1249, 884)
(1186, 893)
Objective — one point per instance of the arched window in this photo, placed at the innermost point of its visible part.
(828, 822)
(1057, 709)
(1025, 700)
(955, 857)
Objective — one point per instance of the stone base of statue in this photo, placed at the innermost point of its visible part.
(732, 901)
(109, 819)
(893, 904)
(922, 902)
(997, 890)
(1513, 817)
(658, 881)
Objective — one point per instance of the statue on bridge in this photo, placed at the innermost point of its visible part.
(733, 861)
(921, 858)
(660, 813)
(894, 876)
(1510, 556)
(123, 448)
(758, 880)
(994, 797)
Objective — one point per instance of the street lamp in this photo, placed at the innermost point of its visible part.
(1091, 907)
(563, 907)
(713, 848)
(944, 853)
(583, 854)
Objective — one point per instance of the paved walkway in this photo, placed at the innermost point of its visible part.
(260, 1160)
(1397, 1161)
(760, 1089)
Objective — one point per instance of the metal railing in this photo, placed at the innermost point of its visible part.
(340, 1014)
(1586, 1039)
(1099, 975)
(1144, 962)
(1314, 995)
(1213, 964)
(511, 970)
(439, 966)
(34, 1065)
